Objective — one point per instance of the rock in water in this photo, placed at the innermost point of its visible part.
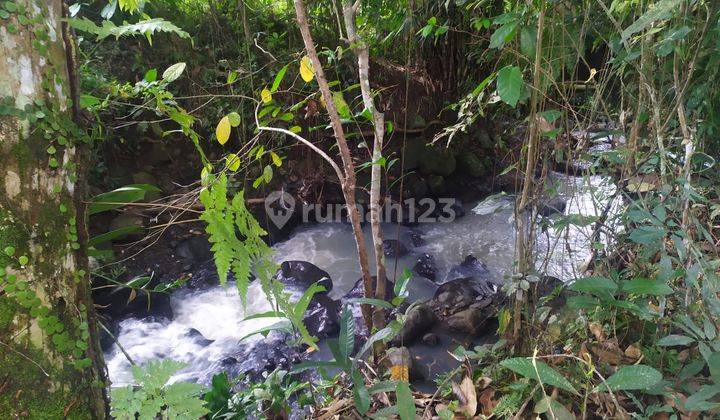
(358, 290)
(394, 248)
(425, 266)
(299, 275)
(418, 321)
(470, 267)
(322, 317)
(553, 206)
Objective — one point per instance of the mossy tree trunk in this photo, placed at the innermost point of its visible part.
(50, 362)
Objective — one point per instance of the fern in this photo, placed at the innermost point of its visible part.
(153, 397)
(146, 27)
(236, 238)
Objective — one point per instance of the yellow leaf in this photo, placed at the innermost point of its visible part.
(276, 159)
(222, 131)
(306, 69)
(266, 96)
(232, 161)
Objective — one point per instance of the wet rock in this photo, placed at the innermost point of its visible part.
(228, 361)
(322, 317)
(394, 248)
(358, 290)
(431, 339)
(198, 338)
(425, 267)
(418, 321)
(468, 321)
(416, 239)
(459, 294)
(553, 206)
(265, 355)
(299, 275)
(471, 267)
(446, 210)
(204, 276)
(194, 250)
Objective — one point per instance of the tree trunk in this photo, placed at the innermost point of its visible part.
(363, 55)
(50, 360)
(348, 181)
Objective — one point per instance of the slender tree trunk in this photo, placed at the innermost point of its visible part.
(363, 55)
(50, 361)
(348, 182)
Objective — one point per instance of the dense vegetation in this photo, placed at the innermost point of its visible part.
(241, 97)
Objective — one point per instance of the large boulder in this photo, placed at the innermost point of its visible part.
(322, 317)
(419, 320)
(437, 161)
(465, 304)
(471, 267)
(470, 164)
(299, 275)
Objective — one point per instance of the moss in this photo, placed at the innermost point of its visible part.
(12, 234)
(8, 308)
(23, 155)
(29, 393)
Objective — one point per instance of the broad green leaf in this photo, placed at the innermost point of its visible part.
(232, 162)
(347, 333)
(628, 378)
(405, 401)
(278, 79)
(360, 392)
(658, 11)
(113, 234)
(222, 131)
(642, 286)
(599, 286)
(173, 72)
(675, 340)
(503, 35)
(306, 69)
(268, 173)
(119, 197)
(539, 371)
(510, 85)
(150, 75)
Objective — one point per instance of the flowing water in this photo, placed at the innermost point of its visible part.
(486, 231)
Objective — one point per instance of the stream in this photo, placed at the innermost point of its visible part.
(208, 323)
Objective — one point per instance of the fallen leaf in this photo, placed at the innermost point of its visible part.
(487, 401)
(466, 395)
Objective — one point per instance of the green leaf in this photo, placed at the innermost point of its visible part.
(151, 75)
(173, 72)
(599, 286)
(119, 197)
(628, 378)
(657, 11)
(234, 119)
(503, 34)
(405, 401)
(646, 235)
(539, 371)
(278, 79)
(642, 286)
(360, 392)
(510, 85)
(113, 234)
(347, 333)
(267, 173)
(675, 340)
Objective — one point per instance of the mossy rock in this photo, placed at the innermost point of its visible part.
(470, 164)
(436, 184)
(438, 161)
